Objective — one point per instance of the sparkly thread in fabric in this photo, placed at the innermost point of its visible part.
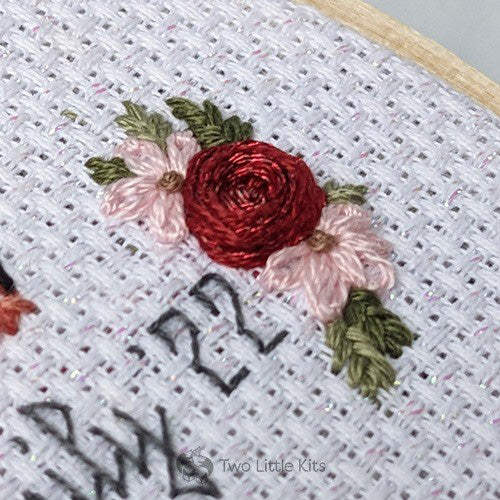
(249, 205)
(358, 114)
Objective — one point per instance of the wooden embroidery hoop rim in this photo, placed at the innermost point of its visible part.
(409, 44)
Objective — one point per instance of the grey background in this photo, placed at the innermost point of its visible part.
(469, 28)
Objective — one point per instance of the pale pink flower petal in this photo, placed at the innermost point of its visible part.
(379, 273)
(344, 218)
(283, 268)
(128, 199)
(166, 219)
(326, 290)
(143, 158)
(181, 147)
(366, 241)
(349, 266)
(382, 248)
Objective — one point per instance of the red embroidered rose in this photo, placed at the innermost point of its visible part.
(246, 200)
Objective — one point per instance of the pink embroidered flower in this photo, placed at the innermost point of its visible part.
(343, 253)
(153, 195)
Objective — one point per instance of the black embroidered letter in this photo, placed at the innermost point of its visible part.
(104, 478)
(197, 292)
(158, 328)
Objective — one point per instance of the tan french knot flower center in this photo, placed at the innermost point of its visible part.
(171, 181)
(321, 241)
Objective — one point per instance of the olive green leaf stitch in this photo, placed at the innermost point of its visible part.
(361, 337)
(368, 370)
(137, 122)
(346, 193)
(207, 123)
(105, 171)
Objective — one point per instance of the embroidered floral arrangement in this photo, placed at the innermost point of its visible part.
(251, 205)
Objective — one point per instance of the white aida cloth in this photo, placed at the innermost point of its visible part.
(356, 113)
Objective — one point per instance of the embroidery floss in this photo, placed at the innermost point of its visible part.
(342, 253)
(6, 281)
(161, 328)
(361, 337)
(348, 193)
(153, 194)
(252, 205)
(124, 456)
(246, 200)
(207, 123)
(12, 305)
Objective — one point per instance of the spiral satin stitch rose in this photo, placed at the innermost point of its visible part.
(246, 200)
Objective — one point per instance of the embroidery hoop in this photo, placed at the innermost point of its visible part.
(356, 457)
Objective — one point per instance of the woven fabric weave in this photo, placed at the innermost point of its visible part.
(356, 113)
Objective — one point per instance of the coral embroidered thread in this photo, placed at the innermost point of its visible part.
(12, 305)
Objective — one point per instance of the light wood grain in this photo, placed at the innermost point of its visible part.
(410, 44)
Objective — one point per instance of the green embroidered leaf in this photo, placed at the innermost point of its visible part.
(361, 337)
(137, 122)
(105, 171)
(207, 123)
(347, 193)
